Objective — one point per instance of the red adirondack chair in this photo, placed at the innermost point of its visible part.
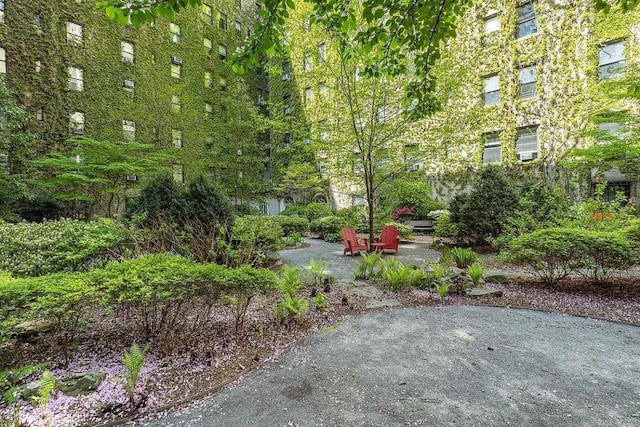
(388, 239)
(351, 243)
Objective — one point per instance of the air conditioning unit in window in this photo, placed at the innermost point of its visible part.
(527, 155)
(176, 60)
(414, 167)
(132, 178)
(285, 76)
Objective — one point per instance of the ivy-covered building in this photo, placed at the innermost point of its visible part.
(519, 85)
(168, 84)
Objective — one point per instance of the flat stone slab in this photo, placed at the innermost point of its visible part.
(483, 292)
(365, 291)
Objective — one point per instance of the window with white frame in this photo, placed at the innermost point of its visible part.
(308, 95)
(40, 114)
(322, 51)
(1, 11)
(608, 131)
(223, 83)
(286, 71)
(76, 123)
(129, 130)
(527, 143)
(206, 14)
(286, 100)
(382, 114)
(74, 33)
(238, 26)
(208, 79)
(222, 52)
(129, 87)
(322, 89)
(492, 152)
(222, 20)
(527, 82)
(176, 138)
(174, 29)
(491, 22)
(38, 66)
(527, 21)
(178, 172)
(76, 80)
(3, 61)
(175, 103)
(491, 90)
(37, 20)
(176, 67)
(308, 62)
(208, 110)
(287, 140)
(208, 47)
(127, 51)
(611, 60)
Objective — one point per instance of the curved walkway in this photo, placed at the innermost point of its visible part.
(453, 365)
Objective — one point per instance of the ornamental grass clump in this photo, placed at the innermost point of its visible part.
(475, 273)
(464, 257)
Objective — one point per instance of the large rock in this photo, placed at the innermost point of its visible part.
(30, 329)
(497, 278)
(83, 383)
(483, 292)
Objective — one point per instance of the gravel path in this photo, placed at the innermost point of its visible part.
(452, 365)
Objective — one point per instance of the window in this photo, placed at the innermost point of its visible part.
(38, 66)
(178, 172)
(127, 52)
(74, 33)
(491, 22)
(527, 144)
(176, 67)
(238, 26)
(287, 140)
(308, 95)
(1, 11)
(40, 114)
(129, 87)
(208, 142)
(222, 20)
(527, 82)
(223, 83)
(176, 138)
(492, 151)
(208, 110)
(208, 46)
(239, 4)
(527, 21)
(222, 52)
(308, 62)
(208, 79)
(4, 162)
(286, 71)
(322, 89)
(286, 100)
(76, 81)
(612, 190)
(175, 103)
(175, 32)
(611, 61)
(609, 131)
(128, 130)
(382, 114)
(37, 20)
(3, 61)
(322, 51)
(206, 14)
(491, 90)
(76, 123)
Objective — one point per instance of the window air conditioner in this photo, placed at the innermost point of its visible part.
(176, 60)
(527, 155)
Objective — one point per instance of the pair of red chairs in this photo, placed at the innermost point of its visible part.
(388, 239)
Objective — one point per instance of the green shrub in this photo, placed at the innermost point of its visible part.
(254, 239)
(443, 289)
(367, 265)
(294, 239)
(295, 210)
(399, 276)
(320, 301)
(445, 228)
(435, 274)
(314, 211)
(404, 230)
(557, 252)
(327, 225)
(34, 249)
(482, 214)
(292, 224)
(410, 190)
(354, 216)
(292, 304)
(464, 257)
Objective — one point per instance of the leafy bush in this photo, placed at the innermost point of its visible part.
(445, 228)
(436, 273)
(328, 225)
(354, 216)
(410, 191)
(241, 285)
(320, 301)
(434, 215)
(292, 224)
(291, 304)
(404, 230)
(34, 249)
(481, 215)
(464, 257)
(557, 252)
(295, 210)
(38, 207)
(598, 214)
(294, 239)
(367, 265)
(398, 275)
(160, 199)
(314, 211)
(254, 239)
